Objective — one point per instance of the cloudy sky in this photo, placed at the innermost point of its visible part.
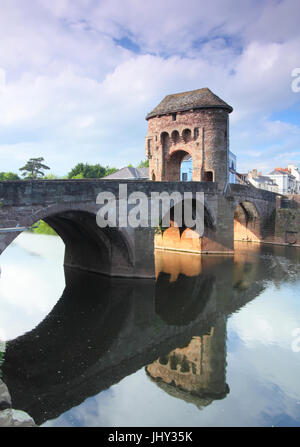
(77, 77)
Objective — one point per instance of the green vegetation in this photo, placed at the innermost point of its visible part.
(84, 170)
(44, 228)
(8, 176)
(34, 168)
(50, 177)
(144, 164)
(78, 176)
(159, 229)
(110, 170)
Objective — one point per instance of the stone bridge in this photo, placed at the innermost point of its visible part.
(69, 207)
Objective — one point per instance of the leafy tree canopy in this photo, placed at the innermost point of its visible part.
(144, 164)
(34, 168)
(110, 170)
(50, 177)
(9, 176)
(84, 170)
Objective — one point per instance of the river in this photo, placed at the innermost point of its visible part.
(213, 341)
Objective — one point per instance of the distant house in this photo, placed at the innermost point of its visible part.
(294, 170)
(129, 173)
(287, 183)
(263, 182)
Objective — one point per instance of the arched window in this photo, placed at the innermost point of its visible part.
(187, 135)
(164, 138)
(175, 136)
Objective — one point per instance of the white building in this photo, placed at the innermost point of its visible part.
(287, 183)
(294, 170)
(263, 182)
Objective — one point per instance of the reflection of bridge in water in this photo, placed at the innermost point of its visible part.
(103, 329)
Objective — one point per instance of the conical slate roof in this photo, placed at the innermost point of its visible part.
(195, 99)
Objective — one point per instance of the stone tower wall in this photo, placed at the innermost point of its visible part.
(201, 133)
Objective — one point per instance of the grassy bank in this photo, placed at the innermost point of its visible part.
(44, 228)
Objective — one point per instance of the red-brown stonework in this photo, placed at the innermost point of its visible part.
(202, 133)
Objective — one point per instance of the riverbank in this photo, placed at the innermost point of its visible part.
(44, 228)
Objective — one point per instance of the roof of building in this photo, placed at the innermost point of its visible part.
(129, 173)
(264, 179)
(279, 171)
(195, 99)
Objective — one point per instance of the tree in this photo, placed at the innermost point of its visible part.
(34, 168)
(110, 170)
(50, 177)
(78, 176)
(84, 170)
(9, 176)
(144, 164)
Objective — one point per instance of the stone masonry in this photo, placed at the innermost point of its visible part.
(193, 123)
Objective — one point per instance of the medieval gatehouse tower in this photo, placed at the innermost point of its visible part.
(190, 126)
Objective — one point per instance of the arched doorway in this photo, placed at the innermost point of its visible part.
(179, 166)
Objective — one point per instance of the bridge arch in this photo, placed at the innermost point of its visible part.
(179, 237)
(87, 247)
(247, 222)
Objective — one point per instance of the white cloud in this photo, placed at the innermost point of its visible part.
(71, 86)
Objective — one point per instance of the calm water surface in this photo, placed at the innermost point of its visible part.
(209, 343)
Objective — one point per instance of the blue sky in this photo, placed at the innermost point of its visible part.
(77, 77)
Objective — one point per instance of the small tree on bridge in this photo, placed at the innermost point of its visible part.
(34, 168)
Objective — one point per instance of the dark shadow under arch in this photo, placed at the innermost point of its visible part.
(180, 302)
(247, 222)
(87, 246)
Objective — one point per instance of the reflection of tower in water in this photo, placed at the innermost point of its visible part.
(197, 372)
